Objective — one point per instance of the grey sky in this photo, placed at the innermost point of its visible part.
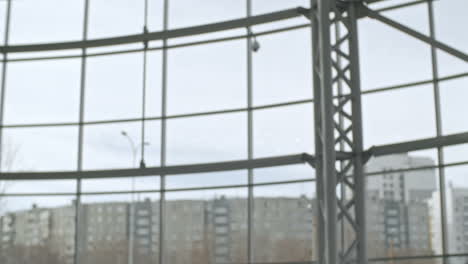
(213, 77)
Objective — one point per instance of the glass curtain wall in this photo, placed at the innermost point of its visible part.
(238, 94)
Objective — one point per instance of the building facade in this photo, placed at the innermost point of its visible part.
(456, 222)
(195, 231)
(398, 209)
(405, 186)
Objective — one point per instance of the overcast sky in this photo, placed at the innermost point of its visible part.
(213, 77)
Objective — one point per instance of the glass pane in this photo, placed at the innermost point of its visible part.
(1, 68)
(40, 149)
(384, 4)
(221, 178)
(284, 173)
(111, 226)
(122, 184)
(282, 68)
(283, 222)
(153, 84)
(37, 21)
(456, 204)
(452, 94)
(114, 87)
(155, 15)
(409, 260)
(186, 13)
(207, 77)
(299, 22)
(456, 153)
(398, 115)
(37, 186)
(3, 11)
(42, 91)
(268, 6)
(199, 38)
(115, 18)
(117, 49)
(390, 57)
(449, 20)
(456, 259)
(283, 131)
(387, 177)
(45, 55)
(37, 229)
(207, 139)
(415, 17)
(206, 226)
(450, 65)
(106, 146)
(402, 216)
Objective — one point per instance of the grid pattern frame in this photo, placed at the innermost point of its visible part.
(249, 111)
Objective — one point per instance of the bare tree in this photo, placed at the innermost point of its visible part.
(38, 254)
(106, 252)
(10, 158)
(405, 252)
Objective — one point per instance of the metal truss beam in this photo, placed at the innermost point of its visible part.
(402, 5)
(340, 183)
(190, 31)
(338, 127)
(427, 143)
(313, 161)
(161, 35)
(166, 170)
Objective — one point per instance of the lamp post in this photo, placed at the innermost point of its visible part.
(134, 149)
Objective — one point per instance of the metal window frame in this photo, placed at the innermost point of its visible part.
(250, 164)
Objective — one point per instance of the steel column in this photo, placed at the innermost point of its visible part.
(438, 119)
(4, 77)
(320, 247)
(78, 208)
(338, 128)
(358, 159)
(162, 183)
(250, 146)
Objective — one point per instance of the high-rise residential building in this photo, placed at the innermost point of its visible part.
(221, 218)
(30, 235)
(215, 230)
(406, 186)
(456, 204)
(146, 231)
(62, 240)
(283, 228)
(398, 216)
(186, 234)
(103, 232)
(196, 231)
(397, 228)
(7, 224)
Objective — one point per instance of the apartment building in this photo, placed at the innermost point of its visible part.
(398, 211)
(195, 231)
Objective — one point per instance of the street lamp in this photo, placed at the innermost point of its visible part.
(134, 149)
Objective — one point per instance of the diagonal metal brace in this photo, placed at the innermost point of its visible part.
(376, 15)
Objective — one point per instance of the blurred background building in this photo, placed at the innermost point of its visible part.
(215, 233)
(233, 132)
